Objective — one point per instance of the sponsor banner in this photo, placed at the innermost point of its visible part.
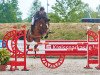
(0, 43)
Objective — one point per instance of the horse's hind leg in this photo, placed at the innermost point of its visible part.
(27, 48)
(35, 48)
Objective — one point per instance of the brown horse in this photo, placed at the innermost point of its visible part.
(40, 29)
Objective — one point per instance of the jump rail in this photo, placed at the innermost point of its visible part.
(58, 48)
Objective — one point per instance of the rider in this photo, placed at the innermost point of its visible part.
(40, 13)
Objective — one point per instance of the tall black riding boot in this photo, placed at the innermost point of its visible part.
(32, 28)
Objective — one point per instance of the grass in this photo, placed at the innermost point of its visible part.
(59, 31)
(70, 31)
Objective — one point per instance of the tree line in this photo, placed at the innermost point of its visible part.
(63, 11)
(9, 11)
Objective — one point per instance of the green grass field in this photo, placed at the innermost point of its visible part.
(59, 31)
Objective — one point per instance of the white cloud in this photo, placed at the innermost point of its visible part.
(92, 3)
(25, 5)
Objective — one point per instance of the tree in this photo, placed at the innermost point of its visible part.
(35, 7)
(14, 4)
(9, 11)
(98, 11)
(70, 10)
(95, 14)
(54, 18)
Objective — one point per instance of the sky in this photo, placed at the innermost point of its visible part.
(25, 5)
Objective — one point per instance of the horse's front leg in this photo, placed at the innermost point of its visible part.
(46, 36)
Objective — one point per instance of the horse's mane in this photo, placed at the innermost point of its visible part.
(42, 18)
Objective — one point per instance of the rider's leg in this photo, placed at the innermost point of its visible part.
(31, 28)
(33, 21)
(33, 24)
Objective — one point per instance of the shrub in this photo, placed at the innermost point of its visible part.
(4, 56)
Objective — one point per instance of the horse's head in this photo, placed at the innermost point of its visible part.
(42, 25)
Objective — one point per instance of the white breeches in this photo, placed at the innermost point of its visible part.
(33, 21)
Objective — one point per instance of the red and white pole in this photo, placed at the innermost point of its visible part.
(98, 67)
(88, 66)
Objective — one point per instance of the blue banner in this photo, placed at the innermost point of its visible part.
(0, 43)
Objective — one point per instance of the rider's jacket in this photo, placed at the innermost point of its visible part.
(39, 14)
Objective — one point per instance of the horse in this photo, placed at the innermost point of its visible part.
(41, 28)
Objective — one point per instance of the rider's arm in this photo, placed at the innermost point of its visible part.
(36, 15)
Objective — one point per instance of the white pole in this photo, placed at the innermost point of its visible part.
(47, 6)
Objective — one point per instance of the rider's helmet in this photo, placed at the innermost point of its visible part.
(42, 8)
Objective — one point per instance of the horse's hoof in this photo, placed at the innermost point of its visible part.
(46, 37)
(30, 49)
(46, 43)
